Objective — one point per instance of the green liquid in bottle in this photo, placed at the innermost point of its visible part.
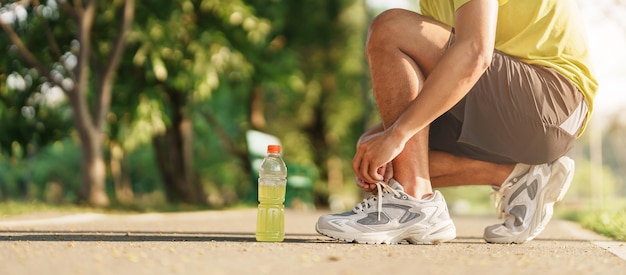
(270, 223)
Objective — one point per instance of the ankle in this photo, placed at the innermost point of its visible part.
(418, 191)
(504, 172)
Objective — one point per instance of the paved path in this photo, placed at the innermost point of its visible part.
(222, 242)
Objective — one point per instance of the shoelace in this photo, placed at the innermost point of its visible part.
(382, 187)
(498, 196)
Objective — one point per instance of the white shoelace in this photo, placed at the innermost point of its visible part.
(382, 187)
(498, 197)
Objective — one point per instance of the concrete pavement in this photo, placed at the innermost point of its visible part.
(222, 242)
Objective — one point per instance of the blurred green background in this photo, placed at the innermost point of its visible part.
(146, 105)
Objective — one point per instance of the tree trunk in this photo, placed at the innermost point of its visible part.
(93, 168)
(121, 182)
(257, 116)
(91, 125)
(93, 172)
(175, 161)
(174, 154)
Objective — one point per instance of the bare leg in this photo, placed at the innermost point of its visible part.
(449, 170)
(403, 47)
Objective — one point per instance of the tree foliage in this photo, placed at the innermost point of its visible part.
(70, 51)
(194, 76)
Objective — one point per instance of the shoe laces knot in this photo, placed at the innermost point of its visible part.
(499, 196)
(382, 189)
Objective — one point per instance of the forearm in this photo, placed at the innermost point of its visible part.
(456, 73)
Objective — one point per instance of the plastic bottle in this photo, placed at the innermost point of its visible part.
(270, 226)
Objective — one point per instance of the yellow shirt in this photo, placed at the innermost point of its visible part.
(547, 33)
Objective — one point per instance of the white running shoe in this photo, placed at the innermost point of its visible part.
(391, 217)
(526, 200)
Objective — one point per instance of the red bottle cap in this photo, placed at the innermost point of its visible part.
(275, 149)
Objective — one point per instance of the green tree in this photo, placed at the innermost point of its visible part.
(180, 52)
(307, 85)
(334, 107)
(229, 66)
(210, 70)
(73, 50)
(31, 114)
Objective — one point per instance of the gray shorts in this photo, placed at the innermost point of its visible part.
(516, 113)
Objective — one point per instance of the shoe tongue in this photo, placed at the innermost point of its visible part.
(395, 185)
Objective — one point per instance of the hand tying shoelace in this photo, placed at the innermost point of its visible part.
(382, 187)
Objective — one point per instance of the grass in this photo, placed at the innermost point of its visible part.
(13, 208)
(610, 223)
(143, 203)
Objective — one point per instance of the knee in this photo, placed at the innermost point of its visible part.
(388, 27)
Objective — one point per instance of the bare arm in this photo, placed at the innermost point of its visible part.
(457, 72)
(451, 79)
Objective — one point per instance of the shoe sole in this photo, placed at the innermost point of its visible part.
(554, 191)
(442, 232)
